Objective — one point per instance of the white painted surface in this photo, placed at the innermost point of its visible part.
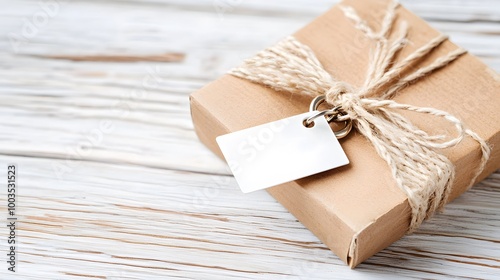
(146, 200)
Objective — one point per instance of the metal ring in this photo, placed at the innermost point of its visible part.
(311, 119)
(330, 114)
(344, 131)
(318, 100)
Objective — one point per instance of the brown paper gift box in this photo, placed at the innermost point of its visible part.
(357, 210)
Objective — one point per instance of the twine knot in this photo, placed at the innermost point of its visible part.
(419, 170)
(343, 94)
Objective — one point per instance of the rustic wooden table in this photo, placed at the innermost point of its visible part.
(113, 183)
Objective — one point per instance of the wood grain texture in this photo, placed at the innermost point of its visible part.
(113, 182)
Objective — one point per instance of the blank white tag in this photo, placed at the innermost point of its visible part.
(282, 151)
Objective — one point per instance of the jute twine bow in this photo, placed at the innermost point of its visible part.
(420, 171)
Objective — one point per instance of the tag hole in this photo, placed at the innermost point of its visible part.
(310, 125)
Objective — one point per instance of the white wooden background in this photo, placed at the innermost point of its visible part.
(113, 182)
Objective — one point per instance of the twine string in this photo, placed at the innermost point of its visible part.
(419, 170)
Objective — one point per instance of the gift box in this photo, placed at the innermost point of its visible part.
(358, 209)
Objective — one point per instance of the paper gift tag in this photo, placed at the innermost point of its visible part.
(277, 152)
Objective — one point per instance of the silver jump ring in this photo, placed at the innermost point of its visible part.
(318, 100)
(330, 114)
